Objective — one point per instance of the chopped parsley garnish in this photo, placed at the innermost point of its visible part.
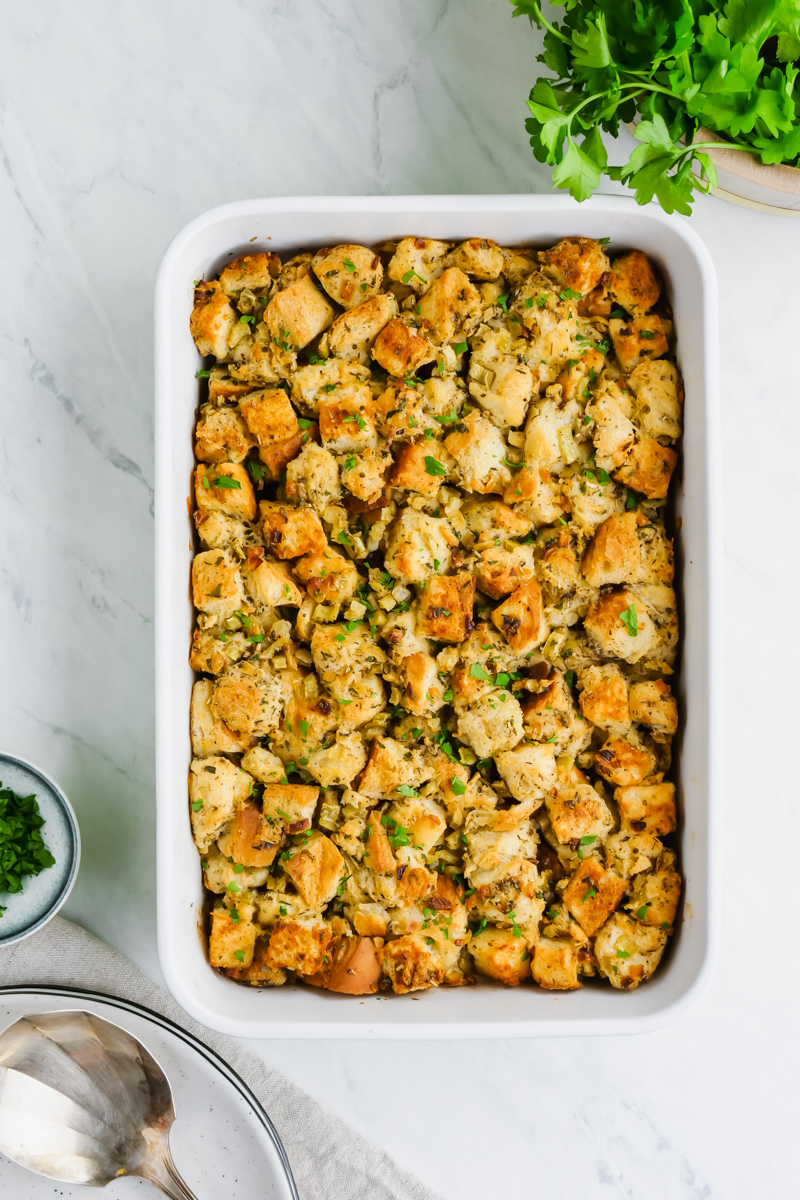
(569, 294)
(629, 620)
(246, 319)
(406, 790)
(448, 418)
(22, 848)
(503, 302)
(409, 275)
(235, 916)
(225, 481)
(239, 955)
(349, 266)
(623, 954)
(477, 671)
(202, 374)
(462, 347)
(343, 539)
(198, 804)
(256, 470)
(457, 786)
(589, 894)
(433, 466)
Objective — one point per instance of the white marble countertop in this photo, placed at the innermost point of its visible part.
(120, 122)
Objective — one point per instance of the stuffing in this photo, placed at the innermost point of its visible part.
(435, 617)
(349, 274)
(226, 489)
(216, 787)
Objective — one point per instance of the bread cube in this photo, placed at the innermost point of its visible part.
(576, 263)
(263, 765)
(209, 734)
(614, 433)
(378, 853)
(629, 853)
(417, 262)
(298, 314)
(652, 704)
(628, 951)
(659, 393)
(521, 618)
(591, 502)
(316, 870)
(363, 475)
(416, 543)
(647, 809)
(270, 584)
(579, 815)
(551, 717)
(251, 271)
(412, 963)
(613, 555)
(479, 257)
(503, 570)
(391, 765)
(648, 468)
(492, 723)
(218, 532)
(300, 944)
(540, 493)
(338, 649)
(501, 955)
(528, 770)
(654, 895)
(633, 283)
(555, 964)
(216, 584)
(634, 638)
(500, 380)
(347, 422)
(422, 818)
(479, 448)
(642, 337)
(338, 765)
(233, 937)
(313, 478)
(450, 305)
(288, 807)
(401, 348)
(592, 894)
(354, 969)
(352, 333)
(216, 788)
(411, 467)
(328, 575)
(604, 698)
(361, 697)
(350, 274)
(624, 762)
(219, 872)
(212, 320)
(290, 532)
(225, 488)
(269, 415)
(421, 689)
(445, 607)
(245, 841)
(221, 436)
(259, 973)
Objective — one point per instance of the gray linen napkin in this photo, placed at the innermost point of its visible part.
(330, 1161)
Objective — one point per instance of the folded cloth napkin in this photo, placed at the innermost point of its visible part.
(330, 1161)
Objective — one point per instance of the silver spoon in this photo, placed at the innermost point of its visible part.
(83, 1101)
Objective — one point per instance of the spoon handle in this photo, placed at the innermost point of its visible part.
(163, 1174)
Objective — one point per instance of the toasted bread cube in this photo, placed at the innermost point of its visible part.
(521, 618)
(243, 838)
(417, 262)
(290, 532)
(576, 263)
(391, 765)
(579, 815)
(347, 425)
(653, 705)
(628, 951)
(249, 271)
(493, 723)
(555, 964)
(216, 788)
(641, 338)
(223, 388)
(411, 467)
(298, 314)
(529, 771)
(629, 853)
(654, 895)
(269, 415)
(614, 555)
(604, 698)
(415, 544)
(218, 532)
(378, 853)
(624, 763)
(221, 436)
(209, 653)
(355, 969)
(259, 973)
(338, 765)
(629, 639)
(479, 257)
(225, 488)
(592, 894)
(614, 433)
(212, 320)
(210, 735)
(633, 283)
(263, 765)
(551, 717)
(352, 334)
(328, 575)
(648, 468)
(300, 944)
(216, 584)
(288, 807)
(445, 608)
(370, 919)
(350, 274)
(541, 494)
(271, 584)
(219, 872)
(363, 474)
(500, 380)
(647, 809)
(450, 304)
(338, 649)
(363, 695)
(501, 955)
(559, 568)
(313, 478)
(316, 870)
(411, 963)
(422, 818)
(422, 692)
(479, 451)
(502, 571)
(239, 701)
(233, 937)
(658, 391)
(493, 519)
(400, 348)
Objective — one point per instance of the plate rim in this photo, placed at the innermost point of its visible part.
(216, 1060)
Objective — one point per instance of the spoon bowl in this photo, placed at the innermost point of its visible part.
(82, 1101)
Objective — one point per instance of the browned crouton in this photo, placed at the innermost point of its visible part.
(592, 894)
(212, 320)
(624, 764)
(243, 839)
(225, 488)
(521, 618)
(290, 532)
(501, 955)
(648, 468)
(400, 348)
(378, 854)
(633, 283)
(328, 575)
(233, 937)
(216, 584)
(421, 689)
(653, 705)
(446, 607)
(316, 869)
(221, 436)
(555, 964)
(577, 263)
(449, 304)
(411, 964)
(269, 583)
(350, 274)
(269, 415)
(604, 698)
(411, 467)
(640, 338)
(295, 316)
(502, 570)
(249, 271)
(300, 944)
(647, 809)
(351, 335)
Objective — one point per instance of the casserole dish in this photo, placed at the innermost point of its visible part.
(201, 249)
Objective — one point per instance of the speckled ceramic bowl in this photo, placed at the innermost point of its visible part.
(42, 895)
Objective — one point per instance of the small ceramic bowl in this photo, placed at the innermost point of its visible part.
(42, 895)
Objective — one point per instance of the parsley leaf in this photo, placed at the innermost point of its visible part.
(433, 466)
(629, 620)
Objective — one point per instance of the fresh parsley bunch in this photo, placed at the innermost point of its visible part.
(22, 848)
(680, 65)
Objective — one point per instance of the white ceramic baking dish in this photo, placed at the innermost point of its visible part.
(288, 225)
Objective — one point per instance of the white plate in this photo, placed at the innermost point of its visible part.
(223, 1143)
(287, 225)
